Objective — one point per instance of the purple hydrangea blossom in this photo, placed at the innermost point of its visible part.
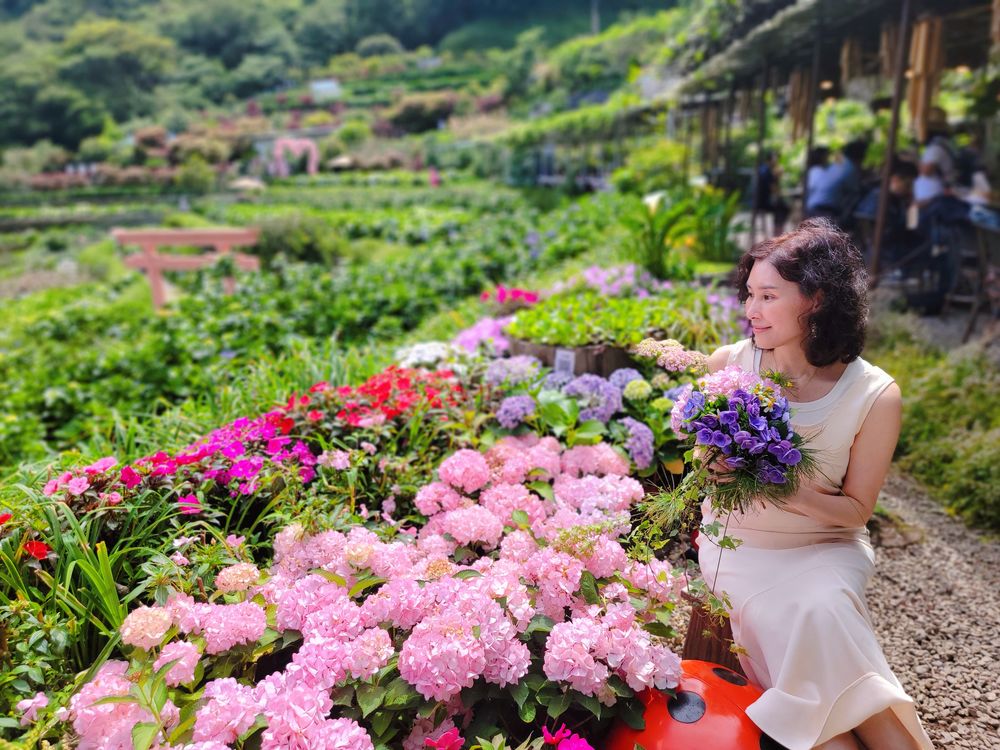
(512, 370)
(623, 376)
(598, 398)
(639, 443)
(556, 381)
(514, 410)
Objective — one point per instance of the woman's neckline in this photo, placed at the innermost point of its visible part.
(815, 403)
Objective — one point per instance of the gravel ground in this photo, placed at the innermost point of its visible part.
(935, 603)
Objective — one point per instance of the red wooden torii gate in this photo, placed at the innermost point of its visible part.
(154, 263)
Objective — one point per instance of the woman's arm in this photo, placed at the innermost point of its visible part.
(719, 358)
(871, 455)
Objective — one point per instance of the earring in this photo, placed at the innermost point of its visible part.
(812, 329)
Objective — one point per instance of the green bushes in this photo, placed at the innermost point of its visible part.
(683, 313)
(300, 237)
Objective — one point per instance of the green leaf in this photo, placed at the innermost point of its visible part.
(590, 703)
(527, 711)
(522, 519)
(381, 721)
(588, 588)
(519, 692)
(542, 489)
(143, 734)
(400, 694)
(558, 705)
(631, 712)
(364, 583)
(539, 624)
(159, 694)
(464, 574)
(343, 696)
(370, 697)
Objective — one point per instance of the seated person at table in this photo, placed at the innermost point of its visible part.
(839, 187)
(897, 239)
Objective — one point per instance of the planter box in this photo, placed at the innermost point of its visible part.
(598, 359)
(707, 639)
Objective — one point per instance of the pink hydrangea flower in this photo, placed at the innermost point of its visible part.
(229, 710)
(442, 656)
(238, 577)
(187, 656)
(145, 627)
(465, 470)
(473, 525)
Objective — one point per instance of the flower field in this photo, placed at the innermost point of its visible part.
(343, 508)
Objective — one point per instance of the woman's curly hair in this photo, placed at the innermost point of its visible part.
(820, 259)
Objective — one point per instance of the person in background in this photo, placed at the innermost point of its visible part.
(938, 161)
(897, 238)
(838, 188)
(768, 193)
(816, 165)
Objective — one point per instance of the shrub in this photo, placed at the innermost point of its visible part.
(378, 45)
(656, 167)
(419, 112)
(300, 237)
(354, 133)
(195, 176)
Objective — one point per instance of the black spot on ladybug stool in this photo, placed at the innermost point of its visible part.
(766, 743)
(730, 676)
(686, 707)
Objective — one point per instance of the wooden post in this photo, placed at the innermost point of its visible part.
(902, 45)
(761, 135)
(811, 106)
(727, 138)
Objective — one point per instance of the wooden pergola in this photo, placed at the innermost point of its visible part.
(816, 46)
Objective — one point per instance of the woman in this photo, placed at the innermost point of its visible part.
(797, 582)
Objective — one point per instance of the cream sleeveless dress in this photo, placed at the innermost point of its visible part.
(797, 589)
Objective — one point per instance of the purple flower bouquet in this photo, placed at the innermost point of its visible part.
(743, 448)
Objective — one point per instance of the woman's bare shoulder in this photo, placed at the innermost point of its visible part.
(720, 357)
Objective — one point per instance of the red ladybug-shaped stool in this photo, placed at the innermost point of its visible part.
(708, 712)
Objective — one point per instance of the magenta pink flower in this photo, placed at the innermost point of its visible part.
(77, 485)
(130, 477)
(29, 708)
(189, 505)
(101, 465)
(554, 739)
(450, 740)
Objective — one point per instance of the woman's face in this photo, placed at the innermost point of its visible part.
(775, 307)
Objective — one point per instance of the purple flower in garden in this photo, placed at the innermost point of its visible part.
(556, 381)
(598, 397)
(640, 442)
(512, 370)
(623, 376)
(485, 331)
(514, 409)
